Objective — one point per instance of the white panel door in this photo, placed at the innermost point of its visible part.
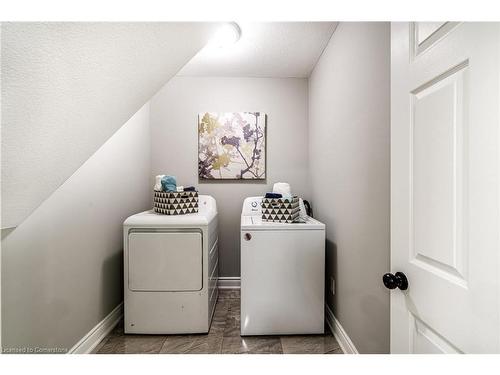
(445, 191)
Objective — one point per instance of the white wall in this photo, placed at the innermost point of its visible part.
(174, 129)
(67, 87)
(62, 267)
(349, 122)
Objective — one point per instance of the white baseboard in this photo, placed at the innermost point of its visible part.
(340, 334)
(96, 334)
(229, 283)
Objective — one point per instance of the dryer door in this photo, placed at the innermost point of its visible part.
(165, 261)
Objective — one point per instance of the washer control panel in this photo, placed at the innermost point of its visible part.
(252, 206)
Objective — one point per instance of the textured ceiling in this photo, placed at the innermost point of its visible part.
(277, 49)
(67, 87)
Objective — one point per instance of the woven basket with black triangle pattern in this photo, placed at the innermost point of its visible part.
(280, 210)
(175, 203)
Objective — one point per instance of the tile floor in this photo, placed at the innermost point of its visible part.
(223, 338)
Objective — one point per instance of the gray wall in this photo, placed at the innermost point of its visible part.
(349, 167)
(62, 266)
(67, 87)
(174, 116)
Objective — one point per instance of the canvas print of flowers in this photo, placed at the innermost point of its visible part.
(232, 145)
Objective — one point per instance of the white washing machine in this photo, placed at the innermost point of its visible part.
(171, 271)
(282, 274)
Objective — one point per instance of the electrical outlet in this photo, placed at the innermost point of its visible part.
(332, 285)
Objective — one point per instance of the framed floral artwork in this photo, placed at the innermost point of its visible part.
(232, 146)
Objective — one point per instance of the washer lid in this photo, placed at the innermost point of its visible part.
(250, 223)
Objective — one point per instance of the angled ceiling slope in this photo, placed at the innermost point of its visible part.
(266, 49)
(67, 87)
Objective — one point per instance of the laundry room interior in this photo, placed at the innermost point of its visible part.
(225, 187)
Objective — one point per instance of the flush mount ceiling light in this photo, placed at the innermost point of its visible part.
(227, 35)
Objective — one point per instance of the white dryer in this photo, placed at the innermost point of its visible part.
(171, 271)
(282, 274)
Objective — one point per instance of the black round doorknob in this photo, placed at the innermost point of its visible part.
(398, 280)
